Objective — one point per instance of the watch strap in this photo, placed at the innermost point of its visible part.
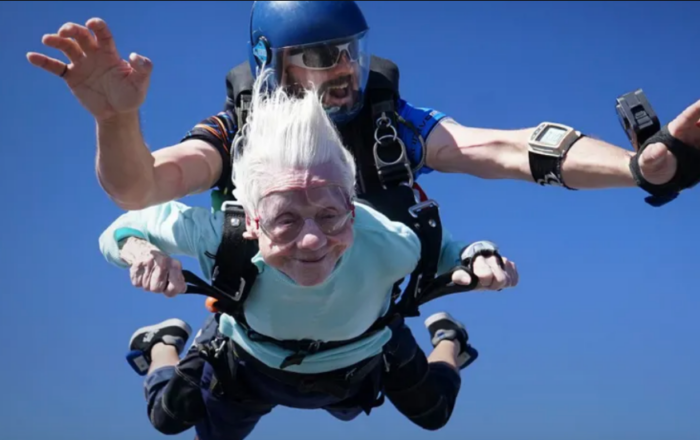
(547, 170)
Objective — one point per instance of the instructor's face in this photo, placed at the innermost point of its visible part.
(339, 85)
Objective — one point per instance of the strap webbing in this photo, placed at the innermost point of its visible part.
(234, 273)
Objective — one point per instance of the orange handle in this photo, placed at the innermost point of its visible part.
(210, 304)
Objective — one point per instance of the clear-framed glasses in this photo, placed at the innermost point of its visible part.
(283, 215)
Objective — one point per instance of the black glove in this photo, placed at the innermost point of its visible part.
(687, 175)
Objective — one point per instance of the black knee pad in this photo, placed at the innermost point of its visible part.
(180, 406)
(424, 393)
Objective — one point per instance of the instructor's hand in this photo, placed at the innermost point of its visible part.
(105, 84)
(657, 164)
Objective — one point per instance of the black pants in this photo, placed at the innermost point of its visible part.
(424, 392)
(181, 397)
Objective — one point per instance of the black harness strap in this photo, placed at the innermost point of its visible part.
(233, 273)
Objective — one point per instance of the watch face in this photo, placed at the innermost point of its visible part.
(552, 136)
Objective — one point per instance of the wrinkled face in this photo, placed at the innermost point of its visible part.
(303, 224)
(333, 67)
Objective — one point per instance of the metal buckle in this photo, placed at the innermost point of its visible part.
(430, 203)
(313, 347)
(385, 123)
(239, 293)
(418, 290)
(408, 183)
(225, 295)
(231, 203)
(402, 157)
(235, 222)
(236, 296)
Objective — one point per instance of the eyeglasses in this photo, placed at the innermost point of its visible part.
(325, 55)
(286, 227)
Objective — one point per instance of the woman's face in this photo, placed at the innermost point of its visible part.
(303, 225)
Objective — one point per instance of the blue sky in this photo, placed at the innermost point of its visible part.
(599, 340)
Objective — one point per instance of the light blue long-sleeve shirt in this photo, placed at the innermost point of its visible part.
(356, 293)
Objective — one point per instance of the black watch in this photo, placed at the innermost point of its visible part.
(547, 148)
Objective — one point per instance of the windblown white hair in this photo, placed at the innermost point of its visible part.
(286, 133)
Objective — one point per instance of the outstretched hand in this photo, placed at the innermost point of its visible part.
(105, 84)
(491, 275)
(657, 164)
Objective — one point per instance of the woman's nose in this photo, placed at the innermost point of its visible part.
(311, 237)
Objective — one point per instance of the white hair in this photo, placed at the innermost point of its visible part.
(285, 133)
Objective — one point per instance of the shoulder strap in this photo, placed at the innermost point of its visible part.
(384, 75)
(380, 154)
(239, 86)
(233, 273)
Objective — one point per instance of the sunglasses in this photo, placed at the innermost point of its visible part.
(324, 56)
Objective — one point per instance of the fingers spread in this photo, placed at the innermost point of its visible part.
(49, 64)
(140, 63)
(102, 33)
(66, 45)
(81, 34)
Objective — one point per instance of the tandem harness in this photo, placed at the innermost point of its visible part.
(385, 181)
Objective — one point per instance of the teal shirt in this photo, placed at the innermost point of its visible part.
(356, 293)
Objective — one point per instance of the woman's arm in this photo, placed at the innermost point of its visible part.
(451, 254)
(174, 228)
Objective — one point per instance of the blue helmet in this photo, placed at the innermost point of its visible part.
(321, 44)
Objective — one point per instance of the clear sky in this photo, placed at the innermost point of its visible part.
(599, 340)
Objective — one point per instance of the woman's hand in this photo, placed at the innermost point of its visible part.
(491, 275)
(151, 269)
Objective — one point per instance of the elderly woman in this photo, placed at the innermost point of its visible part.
(327, 264)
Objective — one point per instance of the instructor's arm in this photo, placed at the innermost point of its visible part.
(134, 178)
(590, 163)
(503, 154)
